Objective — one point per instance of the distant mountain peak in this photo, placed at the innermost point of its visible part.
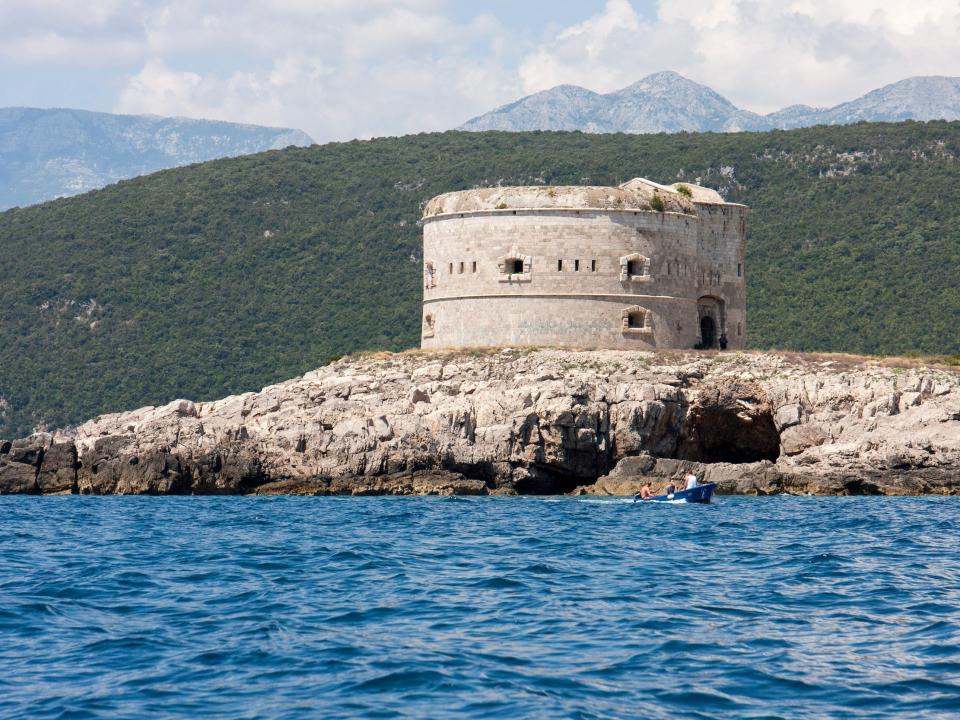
(665, 81)
(666, 101)
(49, 153)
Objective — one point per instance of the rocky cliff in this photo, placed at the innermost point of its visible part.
(526, 421)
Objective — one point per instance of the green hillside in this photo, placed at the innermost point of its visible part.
(226, 276)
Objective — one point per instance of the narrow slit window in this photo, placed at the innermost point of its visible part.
(576, 266)
(461, 268)
(474, 269)
(739, 269)
(593, 266)
(559, 265)
(739, 329)
(450, 269)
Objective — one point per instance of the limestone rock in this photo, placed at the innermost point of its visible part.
(19, 465)
(526, 421)
(58, 471)
(788, 416)
(17, 478)
(797, 438)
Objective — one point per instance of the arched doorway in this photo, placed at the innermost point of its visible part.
(708, 332)
(712, 319)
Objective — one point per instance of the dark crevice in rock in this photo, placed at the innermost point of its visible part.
(859, 486)
(485, 471)
(548, 480)
(730, 421)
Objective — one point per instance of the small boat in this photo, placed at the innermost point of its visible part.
(700, 494)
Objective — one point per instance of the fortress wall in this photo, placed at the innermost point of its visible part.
(548, 237)
(722, 247)
(468, 301)
(551, 320)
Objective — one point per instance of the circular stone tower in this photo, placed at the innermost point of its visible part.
(639, 266)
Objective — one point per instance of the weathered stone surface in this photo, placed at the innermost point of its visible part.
(797, 438)
(19, 461)
(730, 420)
(234, 468)
(28, 451)
(526, 421)
(422, 483)
(58, 470)
(17, 478)
(102, 467)
(788, 416)
(640, 266)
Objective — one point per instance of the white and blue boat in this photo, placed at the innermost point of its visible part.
(700, 494)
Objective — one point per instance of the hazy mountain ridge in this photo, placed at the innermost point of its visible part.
(46, 154)
(668, 102)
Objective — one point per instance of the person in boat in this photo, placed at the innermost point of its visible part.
(670, 489)
(692, 481)
(645, 492)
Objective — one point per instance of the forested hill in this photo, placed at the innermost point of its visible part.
(226, 276)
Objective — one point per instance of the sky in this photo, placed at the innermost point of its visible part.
(343, 69)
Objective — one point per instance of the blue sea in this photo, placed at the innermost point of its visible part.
(775, 607)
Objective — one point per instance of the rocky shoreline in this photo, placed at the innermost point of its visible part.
(516, 421)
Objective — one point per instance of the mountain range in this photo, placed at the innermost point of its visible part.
(50, 153)
(669, 102)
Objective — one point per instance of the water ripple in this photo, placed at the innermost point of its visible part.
(479, 607)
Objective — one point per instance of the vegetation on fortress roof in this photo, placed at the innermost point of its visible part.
(226, 276)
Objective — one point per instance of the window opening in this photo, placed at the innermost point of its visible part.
(636, 320)
(635, 267)
(576, 266)
(514, 267)
(559, 265)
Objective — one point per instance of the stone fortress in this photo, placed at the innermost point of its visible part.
(639, 266)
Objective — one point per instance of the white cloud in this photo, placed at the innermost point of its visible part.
(354, 68)
(762, 54)
(51, 32)
(338, 70)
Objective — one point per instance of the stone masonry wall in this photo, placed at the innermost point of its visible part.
(557, 277)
